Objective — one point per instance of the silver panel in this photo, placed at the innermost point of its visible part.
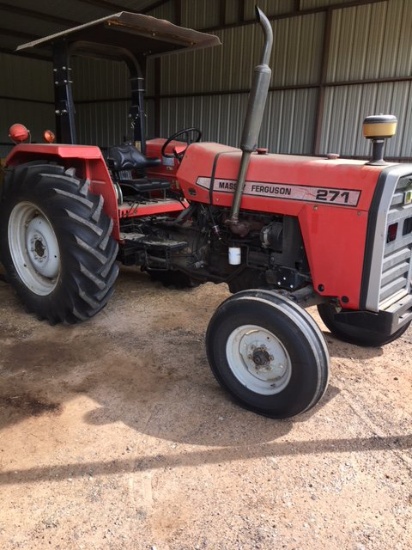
(25, 24)
(77, 9)
(99, 79)
(351, 57)
(289, 122)
(288, 126)
(297, 50)
(371, 41)
(389, 278)
(165, 11)
(295, 59)
(310, 4)
(232, 11)
(25, 78)
(346, 107)
(269, 7)
(227, 67)
(150, 119)
(150, 77)
(396, 59)
(103, 123)
(198, 14)
(219, 117)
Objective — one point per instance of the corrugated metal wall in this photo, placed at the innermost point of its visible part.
(165, 11)
(290, 118)
(26, 96)
(371, 46)
(313, 4)
(101, 93)
(270, 7)
(332, 65)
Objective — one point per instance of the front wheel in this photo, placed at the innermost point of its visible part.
(268, 353)
(56, 244)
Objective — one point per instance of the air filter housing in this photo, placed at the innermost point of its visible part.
(378, 128)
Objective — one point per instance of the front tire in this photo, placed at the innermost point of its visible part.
(268, 353)
(56, 244)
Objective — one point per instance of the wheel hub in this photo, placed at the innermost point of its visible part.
(39, 248)
(261, 357)
(258, 359)
(42, 247)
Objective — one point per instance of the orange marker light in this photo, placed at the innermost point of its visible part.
(18, 133)
(49, 136)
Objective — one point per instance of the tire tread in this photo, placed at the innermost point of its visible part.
(84, 232)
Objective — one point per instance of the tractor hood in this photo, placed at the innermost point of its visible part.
(142, 35)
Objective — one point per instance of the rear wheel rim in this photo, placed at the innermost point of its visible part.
(34, 248)
(258, 360)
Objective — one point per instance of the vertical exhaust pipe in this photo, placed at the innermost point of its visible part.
(254, 116)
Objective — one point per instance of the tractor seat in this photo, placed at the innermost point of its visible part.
(125, 161)
(127, 157)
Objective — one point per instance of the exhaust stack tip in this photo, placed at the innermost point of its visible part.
(378, 128)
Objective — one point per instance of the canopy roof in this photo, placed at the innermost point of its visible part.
(140, 34)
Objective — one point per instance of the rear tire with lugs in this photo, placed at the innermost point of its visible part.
(56, 244)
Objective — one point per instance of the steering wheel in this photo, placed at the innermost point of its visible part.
(188, 132)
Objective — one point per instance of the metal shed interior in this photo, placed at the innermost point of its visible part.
(333, 63)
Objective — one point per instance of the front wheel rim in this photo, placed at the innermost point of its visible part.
(34, 248)
(258, 360)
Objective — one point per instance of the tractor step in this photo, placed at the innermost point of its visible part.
(152, 207)
(145, 242)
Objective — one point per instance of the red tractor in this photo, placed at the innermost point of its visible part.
(284, 232)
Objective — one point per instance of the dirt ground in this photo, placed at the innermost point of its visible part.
(115, 435)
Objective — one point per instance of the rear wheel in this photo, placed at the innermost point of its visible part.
(56, 243)
(361, 336)
(268, 353)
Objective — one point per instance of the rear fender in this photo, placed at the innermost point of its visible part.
(88, 162)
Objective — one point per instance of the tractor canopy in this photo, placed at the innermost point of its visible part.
(123, 36)
(141, 35)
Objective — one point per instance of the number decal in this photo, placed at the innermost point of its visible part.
(322, 195)
(332, 195)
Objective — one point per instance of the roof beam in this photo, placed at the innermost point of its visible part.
(37, 15)
(154, 6)
(118, 7)
(18, 34)
(111, 6)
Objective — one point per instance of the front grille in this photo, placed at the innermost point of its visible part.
(396, 262)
